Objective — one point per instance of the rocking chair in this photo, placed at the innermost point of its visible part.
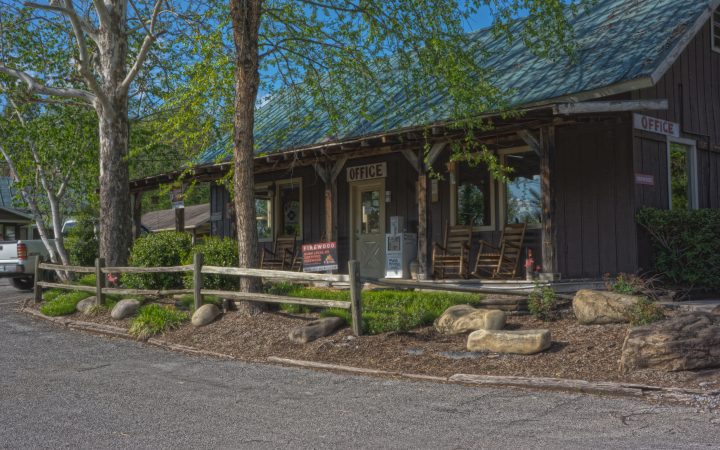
(452, 256)
(501, 261)
(282, 256)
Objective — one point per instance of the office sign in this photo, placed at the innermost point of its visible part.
(367, 172)
(654, 125)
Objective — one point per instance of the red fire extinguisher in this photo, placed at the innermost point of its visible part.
(529, 264)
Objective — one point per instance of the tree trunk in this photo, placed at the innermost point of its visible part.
(246, 22)
(115, 212)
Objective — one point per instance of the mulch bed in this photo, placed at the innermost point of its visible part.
(582, 352)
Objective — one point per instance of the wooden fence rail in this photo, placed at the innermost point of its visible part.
(198, 269)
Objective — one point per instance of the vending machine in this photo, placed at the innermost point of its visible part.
(400, 249)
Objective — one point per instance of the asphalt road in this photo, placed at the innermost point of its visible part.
(65, 389)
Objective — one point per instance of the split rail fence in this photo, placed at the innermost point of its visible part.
(198, 269)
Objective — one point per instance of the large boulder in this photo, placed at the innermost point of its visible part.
(460, 319)
(205, 315)
(315, 329)
(124, 308)
(686, 342)
(523, 342)
(85, 304)
(601, 307)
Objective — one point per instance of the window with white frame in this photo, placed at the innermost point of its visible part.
(716, 30)
(682, 174)
(473, 195)
(522, 200)
(278, 209)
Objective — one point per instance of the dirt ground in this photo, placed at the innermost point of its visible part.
(578, 351)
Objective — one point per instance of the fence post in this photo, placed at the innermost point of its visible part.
(197, 279)
(38, 279)
(99, 281)
(355, 297)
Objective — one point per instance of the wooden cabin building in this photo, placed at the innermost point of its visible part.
(632, 121)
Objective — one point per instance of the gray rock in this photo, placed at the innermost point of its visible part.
(124, 308)
(85, 304)
(686, 342)
(315, 329)
(205, 315)
(601, 307)
(523, 342)
(460, 319)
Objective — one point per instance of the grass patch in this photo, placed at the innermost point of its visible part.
(63, 304)
(154, 319)
(52, 294)
(384, 310)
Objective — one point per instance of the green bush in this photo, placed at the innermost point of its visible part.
(542, 303)
(216, 252)
(645, 312)
(81, 243)
(154, 319)
(384, 310)
(63, 304)
(686, 245)
(188, 301)
(167, 248)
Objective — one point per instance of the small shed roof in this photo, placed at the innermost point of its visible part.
(11, 215)
(195, 216)
(622, 45)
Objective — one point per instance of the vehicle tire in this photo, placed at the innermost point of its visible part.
(23, 284)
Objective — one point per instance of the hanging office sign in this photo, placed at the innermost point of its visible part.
(367, 172)
(654, 125)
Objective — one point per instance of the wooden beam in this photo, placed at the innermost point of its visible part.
(548, 231)
(434, 153)
(412, 158)
(180, 219)
(530, 139)
(611, 106)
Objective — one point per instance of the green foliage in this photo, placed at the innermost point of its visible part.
(63, 304)
(384, 310)
(542, 303)
(154, 319)
(188, 301)
(686, 245)
(645, 312)
(81, 243)
(216, 252)
(167, 248)
(52, 294)
(622, 284)
(86, 280)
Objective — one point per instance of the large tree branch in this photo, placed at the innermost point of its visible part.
(102, 12)
(70, 13)
(35, 86)
(149, 40)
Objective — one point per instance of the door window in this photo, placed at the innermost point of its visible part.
(370, 213)
(522, 190)
(682, 176)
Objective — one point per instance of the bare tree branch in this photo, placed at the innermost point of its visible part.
(102, 12)
(70, 13)
(39, 88)
(144, 49)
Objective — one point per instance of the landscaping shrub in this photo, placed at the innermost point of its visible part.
(686, 245)
(645, 312)
(81, 243)
(52, 294)
(542, 303)
(63, 304)
(384, 310)
(154, 319)
(216, 252)
(622, 284)
(167, 248)
(188, 301)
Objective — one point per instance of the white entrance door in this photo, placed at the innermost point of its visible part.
(367, 216)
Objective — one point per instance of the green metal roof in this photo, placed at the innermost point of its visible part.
(618, 41)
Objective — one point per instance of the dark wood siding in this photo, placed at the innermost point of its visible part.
(595, 201)
(692, 87)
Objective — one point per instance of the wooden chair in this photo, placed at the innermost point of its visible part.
(282, 256)
(501, 261)
(453, 255)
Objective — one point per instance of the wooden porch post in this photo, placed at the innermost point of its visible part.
(180, 219)
(328, 174)
(548, 232)
(137, 214)
(421, 198)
